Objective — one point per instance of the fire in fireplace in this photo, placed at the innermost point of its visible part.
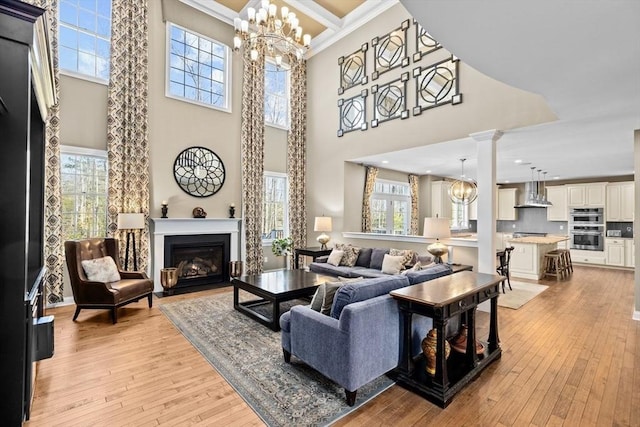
(200, 259)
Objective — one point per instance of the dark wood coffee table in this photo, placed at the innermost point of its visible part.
(274, 287)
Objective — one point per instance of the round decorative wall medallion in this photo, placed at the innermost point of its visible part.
(199, 172)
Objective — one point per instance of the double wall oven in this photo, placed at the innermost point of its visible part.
(586, 227)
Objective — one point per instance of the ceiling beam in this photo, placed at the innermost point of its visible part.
(214, 9)
(317, 13)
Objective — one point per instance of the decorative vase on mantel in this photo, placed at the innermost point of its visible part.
(430, 350)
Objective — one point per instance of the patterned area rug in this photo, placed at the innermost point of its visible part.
(521, 294)
(249, 356)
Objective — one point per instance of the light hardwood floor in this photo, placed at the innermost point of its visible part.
(570, 357)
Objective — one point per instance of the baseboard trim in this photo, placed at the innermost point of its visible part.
(636, 315)
(65, 301)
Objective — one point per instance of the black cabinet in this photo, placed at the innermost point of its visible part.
(25, 84)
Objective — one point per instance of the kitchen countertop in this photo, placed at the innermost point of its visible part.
(539, 240)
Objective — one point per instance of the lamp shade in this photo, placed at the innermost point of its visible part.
(322, 223)
(130, 221)
(436, 228)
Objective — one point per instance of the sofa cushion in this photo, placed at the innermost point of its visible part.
(335, 257)
(429, 273)
(350, 254)
(331, 270)
(318, 297)
(364, 258)
(364, 290)
(392, 264)
(407, 255)
(366, 272)
(377, 256)
(330, 289)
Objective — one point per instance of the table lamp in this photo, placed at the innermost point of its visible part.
(131, 222)
(437, 228)
(323, 224)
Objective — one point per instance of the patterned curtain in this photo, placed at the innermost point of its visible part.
(369, 183)
(252, 136)
(413, 184)
(296, 156)
(53, 254)
(127, 131)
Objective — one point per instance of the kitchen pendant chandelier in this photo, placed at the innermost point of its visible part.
(265, 34)
(463, 190)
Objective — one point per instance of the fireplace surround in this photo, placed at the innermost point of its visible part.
(193, 235)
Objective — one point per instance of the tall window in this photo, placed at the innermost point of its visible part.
(85, 37)
(276, 95)
(198, 68)
(275, 206)
(459, 216)
(390, 207)
(83, 173)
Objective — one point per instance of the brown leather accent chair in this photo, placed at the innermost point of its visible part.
(132, 286)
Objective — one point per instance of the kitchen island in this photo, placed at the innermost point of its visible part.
(527, 258)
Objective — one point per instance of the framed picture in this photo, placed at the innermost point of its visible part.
(436, 85)
(353, 113)
(390, 50)
(353, 69)
(390, 100)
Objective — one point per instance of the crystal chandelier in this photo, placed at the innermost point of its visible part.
(264, 34)
(463, 190)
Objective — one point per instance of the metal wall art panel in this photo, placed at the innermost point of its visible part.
(436, 85)
(353, 69)
(425, 44)
(390, 50)
(353, 113)
(390, 100)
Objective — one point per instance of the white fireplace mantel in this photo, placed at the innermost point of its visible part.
(161, 227)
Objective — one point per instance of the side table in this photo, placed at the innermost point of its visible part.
(310, 252)
(441, 299)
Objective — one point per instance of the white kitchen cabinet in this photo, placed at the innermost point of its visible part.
(620, 201)
(440, 200)
(580, 256)
(507, 199)
(587, 195)
(614, 249)
(473, 210)
(629, 253)
(557, 195)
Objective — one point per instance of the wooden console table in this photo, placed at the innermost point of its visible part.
(441, 299)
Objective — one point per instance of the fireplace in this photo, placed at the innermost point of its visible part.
(201, 259)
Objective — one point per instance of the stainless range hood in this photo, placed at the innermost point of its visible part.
(535, 194)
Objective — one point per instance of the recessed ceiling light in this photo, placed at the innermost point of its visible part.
(429, 171)
(507, 181)
(518, 161)
(384, 162)
(556, 177)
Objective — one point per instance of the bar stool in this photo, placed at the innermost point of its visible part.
(503, 269)
(566, 258)
(554, 264)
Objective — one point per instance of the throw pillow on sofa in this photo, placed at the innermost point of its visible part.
(407, 255)
(377, 256)
(350, 254)
(330, 289)
(335, 257)
(392, 264)
(364, 257)
(318, 297)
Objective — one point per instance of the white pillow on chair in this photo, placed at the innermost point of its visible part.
(101, 270)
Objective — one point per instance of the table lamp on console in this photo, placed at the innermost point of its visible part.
(437, 228)
(323, 224)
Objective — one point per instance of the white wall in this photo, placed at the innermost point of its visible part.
(335, 187)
